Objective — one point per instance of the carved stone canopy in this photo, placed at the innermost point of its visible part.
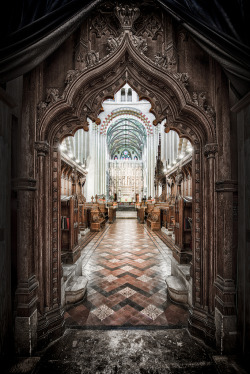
(87, 88)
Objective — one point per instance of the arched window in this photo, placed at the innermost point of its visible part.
(123, 97)
(129, 94)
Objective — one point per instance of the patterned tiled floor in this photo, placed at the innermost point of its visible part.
(126, 287)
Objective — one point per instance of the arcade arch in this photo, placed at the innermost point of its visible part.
(64, 110)
(82, 99)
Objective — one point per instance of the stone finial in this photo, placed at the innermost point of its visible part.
(127, 14)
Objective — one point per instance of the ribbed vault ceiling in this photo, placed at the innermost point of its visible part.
(126, 134)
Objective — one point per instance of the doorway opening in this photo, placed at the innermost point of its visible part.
(125, 168)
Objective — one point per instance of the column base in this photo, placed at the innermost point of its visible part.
(70, 257)
(50, 326)
(226, 333)
(201, 325)
(26, 334)
(183, 256)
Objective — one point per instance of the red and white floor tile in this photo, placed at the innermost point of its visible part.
(126, 267)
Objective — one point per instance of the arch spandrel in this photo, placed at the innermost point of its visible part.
(86, 91)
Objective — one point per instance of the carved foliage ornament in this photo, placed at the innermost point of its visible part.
(92, 58)
(42, 148)
(210, 150)
(163, 61)
(99, 25)
(139, 43)
(71, 76)
(113, 43)
(182, 77)
(52, 96)
(200, 99)
(151, 25)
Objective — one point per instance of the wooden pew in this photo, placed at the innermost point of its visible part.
(69, 229)
(153, 219)
(183, 229)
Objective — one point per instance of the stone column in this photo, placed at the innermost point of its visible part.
(225, 309)
(26, 293)
(209, 263)
(50, 321)
(42, 148)
(25, 185)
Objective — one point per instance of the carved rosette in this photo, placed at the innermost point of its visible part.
(210, 150)
(42, 148)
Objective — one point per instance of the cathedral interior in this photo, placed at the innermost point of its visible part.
(125, 187)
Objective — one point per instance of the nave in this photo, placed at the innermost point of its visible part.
(126, 266)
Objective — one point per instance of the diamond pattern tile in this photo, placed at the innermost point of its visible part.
(144, 278)
(127, 268)
(110, 278)
(151, 311)
(102, 312)
(126, 273)
(127, 292)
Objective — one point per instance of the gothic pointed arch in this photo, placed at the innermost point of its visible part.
(85, 90)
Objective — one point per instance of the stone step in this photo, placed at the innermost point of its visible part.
(68, 271)
(177, 289)
(185, 271)
(76, 289)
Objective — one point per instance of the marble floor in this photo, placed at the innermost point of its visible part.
(126, 214)
(126, 282)
(126, 324)
(127, 352)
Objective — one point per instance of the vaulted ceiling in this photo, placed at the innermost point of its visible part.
(126, 134)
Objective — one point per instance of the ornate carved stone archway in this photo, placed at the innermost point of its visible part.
(82, 99)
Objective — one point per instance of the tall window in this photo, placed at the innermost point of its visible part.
(123, 97)
(129, 94)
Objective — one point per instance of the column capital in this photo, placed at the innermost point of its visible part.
(42, 148)
(210, 150)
